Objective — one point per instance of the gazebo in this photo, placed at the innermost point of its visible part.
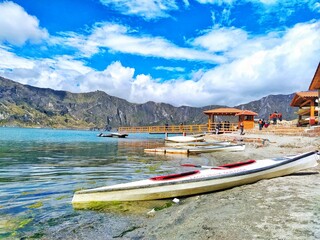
(230, 119)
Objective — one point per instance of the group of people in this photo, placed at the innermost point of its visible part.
(226, 125)
(262, 123)
(275, 116)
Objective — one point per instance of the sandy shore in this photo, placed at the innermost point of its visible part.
(280, 208)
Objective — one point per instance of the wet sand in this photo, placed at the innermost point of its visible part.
(279, 208)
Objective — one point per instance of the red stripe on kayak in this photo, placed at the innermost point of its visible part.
(174, 176)
(237, 164)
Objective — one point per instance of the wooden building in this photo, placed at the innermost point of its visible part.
(308, 102)
(229, 119)
(315, 85)
(247, 117)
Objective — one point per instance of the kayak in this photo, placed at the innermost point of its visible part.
(118, 135)
(198, 181)
(197, 144)
(185, 139)
(197, 149)
(207, 149)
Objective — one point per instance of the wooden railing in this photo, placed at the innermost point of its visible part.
(223, 127)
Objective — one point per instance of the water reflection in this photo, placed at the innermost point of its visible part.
(40, 170)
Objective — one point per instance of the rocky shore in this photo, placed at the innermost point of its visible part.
(280, 208)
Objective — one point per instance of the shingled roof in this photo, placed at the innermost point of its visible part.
(315, 83)
(223, 111)
(247, 113)
(300, 97)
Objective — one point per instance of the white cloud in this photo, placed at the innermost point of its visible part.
(60, 73)
(315, 7)
(178, 92)
(309, 3)
(17, 26)
(267, 2)
(216, 2)
(119, 38)
(186, 3)
(143, 8)
(116, 80)
(280, 62)
(268, 10)
(284, 68)
(10, 61)
(171, 69)
(221, 39)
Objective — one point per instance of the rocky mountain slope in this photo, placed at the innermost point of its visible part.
(270, 104)
(27, 106)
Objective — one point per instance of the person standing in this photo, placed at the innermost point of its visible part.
(241, 128)
(260, 124)
(274, 117)
(217, 128)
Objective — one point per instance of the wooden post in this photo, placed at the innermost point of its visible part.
(312, 119)
(319, 106)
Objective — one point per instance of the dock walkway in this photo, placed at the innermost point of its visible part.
(179, 129)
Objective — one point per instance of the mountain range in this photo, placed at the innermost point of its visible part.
(28, 106)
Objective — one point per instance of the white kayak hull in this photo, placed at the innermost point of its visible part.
(118, 135)
(196, 182)
(185, 139)
(197, 144)
(208, 149)
(196, 149)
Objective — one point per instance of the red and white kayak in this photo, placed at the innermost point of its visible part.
(199, 181)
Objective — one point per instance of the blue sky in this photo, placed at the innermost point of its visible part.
(187, 52)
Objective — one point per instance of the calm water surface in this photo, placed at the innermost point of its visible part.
(41, 168)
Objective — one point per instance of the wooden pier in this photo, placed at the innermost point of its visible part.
(177, 129)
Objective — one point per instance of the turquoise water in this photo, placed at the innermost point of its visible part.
(41, 168)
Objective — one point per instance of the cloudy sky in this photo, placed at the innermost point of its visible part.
(182, 52)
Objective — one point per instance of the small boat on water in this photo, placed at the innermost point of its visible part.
(198, 181)
(118, 135)
(185, 139)
(185, 149)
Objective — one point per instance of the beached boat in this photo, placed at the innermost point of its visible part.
(216, 148)
(118, 135)
(197, 144)
(198, 181)
(185, 139)
(196, 149)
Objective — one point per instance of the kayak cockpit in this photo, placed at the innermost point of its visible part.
(187, 174)
(235, 165)
(174, 176)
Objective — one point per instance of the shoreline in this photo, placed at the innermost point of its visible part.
(279, 208)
